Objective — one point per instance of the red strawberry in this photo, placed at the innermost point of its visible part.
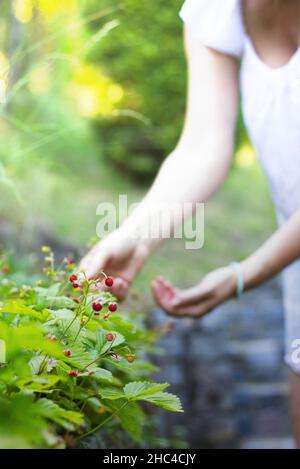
(110, 336)
(97, 306)
(112, 307)
(109, 282)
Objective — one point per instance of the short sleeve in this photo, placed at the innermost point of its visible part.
(216, 23)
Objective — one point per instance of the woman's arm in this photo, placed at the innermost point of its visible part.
(200, 161)
(220, 285)
(278, 252)
(191, 173)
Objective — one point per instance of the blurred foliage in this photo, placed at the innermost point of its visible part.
(144, 54)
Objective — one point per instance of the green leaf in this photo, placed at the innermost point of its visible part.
(68, 419)
(59, 315)
(94, 404)
(21, 425)
(30, 337)
(40, 383)
(38, 361)
(103, 344)
(53, 290)
(17, 307)
(138, 388)
(163, 399)
(80, 357)
(71, 330)
(58, 302)
(100, 339)
(103, 374)
(131, 417)
(152, 392)
(111, 393)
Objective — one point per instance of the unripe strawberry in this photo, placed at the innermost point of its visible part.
(112, 307)
(73, 278)
(109, 282)
(110, 336)
(106, 316)
(73, 373)
(130, 358)
(67, 353)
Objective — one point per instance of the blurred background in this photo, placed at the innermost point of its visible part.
(92, 100)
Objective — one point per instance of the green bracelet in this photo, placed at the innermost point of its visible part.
(240, 284)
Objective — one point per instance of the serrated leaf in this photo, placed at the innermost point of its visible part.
(17, 307)
(100, 339)
(118, 340)
(122, 365)
(58, 302)
(40, 383)
(103, 374)
(29, 337)
(59, 315)
(72, 330)
(37, 361)
(143, 388)
(163, 399)
(80, 357)
(68, 419)
(53, 290)
(111, 393)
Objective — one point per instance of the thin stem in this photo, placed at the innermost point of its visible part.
(102, 423)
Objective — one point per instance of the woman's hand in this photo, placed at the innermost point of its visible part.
(217, 287)
(120, 256)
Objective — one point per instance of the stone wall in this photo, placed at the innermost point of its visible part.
(228, 370)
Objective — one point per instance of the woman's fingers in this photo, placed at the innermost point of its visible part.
(193, 302)
(165, 296)
(189, 296)
(195, 310)
(119, 288)
(94, 261)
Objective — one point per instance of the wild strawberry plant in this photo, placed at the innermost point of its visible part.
(71, 361)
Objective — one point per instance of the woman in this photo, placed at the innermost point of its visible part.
(265, 34)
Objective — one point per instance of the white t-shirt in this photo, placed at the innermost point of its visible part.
(270, 97)
(271, 105)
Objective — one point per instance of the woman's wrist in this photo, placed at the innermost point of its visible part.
(239, 278)
(252, 272)
(245, 275)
